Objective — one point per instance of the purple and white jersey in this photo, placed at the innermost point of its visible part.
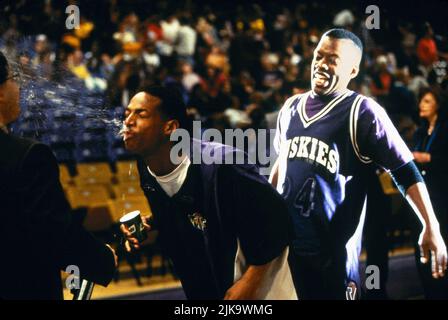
(325, 145)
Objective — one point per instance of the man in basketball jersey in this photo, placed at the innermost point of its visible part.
(326, 138)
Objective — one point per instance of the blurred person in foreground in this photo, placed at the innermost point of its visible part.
(223, 225)
(326, 139)
(38, 237)
(430, 153)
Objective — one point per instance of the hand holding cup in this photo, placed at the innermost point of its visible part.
(135, 229)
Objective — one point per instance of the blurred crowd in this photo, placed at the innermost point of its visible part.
(235, 63)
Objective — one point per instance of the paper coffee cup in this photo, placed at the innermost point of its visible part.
(133, 221)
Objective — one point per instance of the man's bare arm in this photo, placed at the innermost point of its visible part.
(430, 240)
(247, 286)
(273, 177)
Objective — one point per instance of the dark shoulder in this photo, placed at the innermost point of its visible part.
(442, 129)
(14, 150)
(39, 155)
(22, 159)
(39, 166)
(236, 173)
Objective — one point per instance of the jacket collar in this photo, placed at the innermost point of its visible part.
(208, 170)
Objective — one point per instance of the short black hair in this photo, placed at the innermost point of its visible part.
(172, 103)
(441, 99)
(339, 33)
(4, 68)
(434, 91)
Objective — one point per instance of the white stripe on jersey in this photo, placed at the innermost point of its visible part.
(284, 117)
(354, 126)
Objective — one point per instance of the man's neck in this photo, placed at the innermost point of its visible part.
(331, 95)
(160, 164)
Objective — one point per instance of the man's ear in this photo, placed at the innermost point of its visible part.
(171, 126)
(354, 72)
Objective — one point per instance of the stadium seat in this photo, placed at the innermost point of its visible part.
(128, 190)
(127, 168)
(36, 115)
(58, 139)
(64, 128)
(33, 129)
(98, 217)
(93, 173)
(88, 196)
(120, 154)
(117, 113)
(127, 171)
(92, 152)
(64, 155)
(94, 125)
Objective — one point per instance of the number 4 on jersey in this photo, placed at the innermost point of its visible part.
(305, 198)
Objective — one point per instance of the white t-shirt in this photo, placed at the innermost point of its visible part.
(186, 41)
(170, 30)
(172, 182)
(277, 284)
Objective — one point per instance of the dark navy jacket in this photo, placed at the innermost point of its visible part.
(236, 203)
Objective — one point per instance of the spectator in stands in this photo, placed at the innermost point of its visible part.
(214, 80)
(44, 57)
(271, 76)
(427, 48)
(417, 81)
(150, 57)
(382, 80)
(189, 77)
(78, 67)
(124, 82)
(185, 43)
(170, 28)
(38, 236)
(243, 87)
(401, 99)
(431, 152)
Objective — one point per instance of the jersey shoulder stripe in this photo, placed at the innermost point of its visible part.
(292, 102)
(287, 110)
(354, 116)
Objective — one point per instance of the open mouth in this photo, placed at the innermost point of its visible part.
(321, 79)
(127, 134)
